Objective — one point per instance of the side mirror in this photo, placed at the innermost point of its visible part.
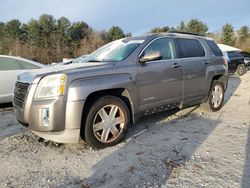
(151, 56)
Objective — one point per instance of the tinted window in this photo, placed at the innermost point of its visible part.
(163, 45)
(8, 64)
(190, 48)
(26, 65)
(234, 54)
(215, 49)
(245, 54)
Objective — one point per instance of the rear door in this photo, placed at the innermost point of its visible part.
(195, 64)
(161, 81)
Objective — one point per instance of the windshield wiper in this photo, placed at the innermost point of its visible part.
(94, 60)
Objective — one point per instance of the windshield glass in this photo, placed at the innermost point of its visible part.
(114, 51)
(79, 59)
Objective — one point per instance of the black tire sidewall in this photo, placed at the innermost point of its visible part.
(89, 134)
(209, 102)
(239, 68)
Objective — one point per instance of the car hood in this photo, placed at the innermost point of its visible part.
(35, 75)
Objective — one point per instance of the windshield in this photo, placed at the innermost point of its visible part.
(112, 52)
(79, 59)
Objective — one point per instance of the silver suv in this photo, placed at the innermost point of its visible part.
(98, 96)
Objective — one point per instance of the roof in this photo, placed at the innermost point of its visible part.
(170, 34)
(226, 48)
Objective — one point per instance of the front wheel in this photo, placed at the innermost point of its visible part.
(216, 97)
(106, 122)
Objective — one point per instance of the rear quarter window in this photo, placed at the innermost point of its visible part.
(9, 64)
(190, 48)
(26, 65)
(214, 48)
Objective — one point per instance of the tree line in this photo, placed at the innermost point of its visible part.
(227, 34)
(48, 40)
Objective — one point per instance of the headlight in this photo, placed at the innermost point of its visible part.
(51, 86)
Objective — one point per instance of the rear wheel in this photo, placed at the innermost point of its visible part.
(216, 97)
(240, 69)
(106, 122)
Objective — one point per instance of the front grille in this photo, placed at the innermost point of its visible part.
(20, 93)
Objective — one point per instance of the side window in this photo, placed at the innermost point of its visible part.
(8, 64)
(26, 65)
(245, 54)
(215, 49)
(190, 48)
(165, 46)
(234, 54)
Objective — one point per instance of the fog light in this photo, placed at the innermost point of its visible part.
(45, 117)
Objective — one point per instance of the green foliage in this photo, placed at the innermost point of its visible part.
(128, 35)
(49, 40)
(160, 29)
(182, 27)
(78, 30)
(243, 33)
(34, 33)
(47, 24)
(2, 25)
(46, 39)
(12, 29)
(193, 26)
(114, 33)
(228, 34)
(196, 26)
(63, 24)
(24, 30)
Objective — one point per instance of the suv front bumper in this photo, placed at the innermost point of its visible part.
(53, 119)
(66, 136)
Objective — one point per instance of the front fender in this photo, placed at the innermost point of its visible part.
(80, 89)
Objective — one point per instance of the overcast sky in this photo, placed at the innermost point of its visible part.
(136, 16)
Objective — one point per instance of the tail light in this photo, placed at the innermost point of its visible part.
(225, 62)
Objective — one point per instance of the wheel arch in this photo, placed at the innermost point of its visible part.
(222, 78)
(121, 93)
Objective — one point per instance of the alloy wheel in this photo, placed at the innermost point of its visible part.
(108, 123)
(217, 96)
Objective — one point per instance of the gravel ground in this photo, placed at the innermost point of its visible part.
(187, 148)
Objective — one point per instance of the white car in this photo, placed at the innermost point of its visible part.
(10, 67)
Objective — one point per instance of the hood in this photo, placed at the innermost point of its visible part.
(33, 76)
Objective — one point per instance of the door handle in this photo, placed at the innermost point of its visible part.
(206, 62)
(175, 65)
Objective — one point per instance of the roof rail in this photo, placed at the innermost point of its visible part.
(181, 32)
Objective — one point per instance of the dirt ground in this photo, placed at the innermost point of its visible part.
(187, 148)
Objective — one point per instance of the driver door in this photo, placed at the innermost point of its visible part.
(160, 81)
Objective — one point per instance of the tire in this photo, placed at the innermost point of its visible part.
(240, 70)
(106, 122)
(216, 97)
